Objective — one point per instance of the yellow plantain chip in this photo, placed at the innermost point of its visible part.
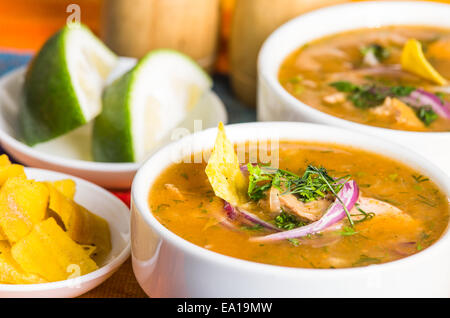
(224, 172)
(23, 203)
(11, 272)
(413, 60)
(81, 225)
(67, 187)
(10, 171)
(89, 249)
(49, 252)
(4, 160)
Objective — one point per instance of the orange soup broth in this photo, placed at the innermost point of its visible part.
(308, 71)
(192, 210)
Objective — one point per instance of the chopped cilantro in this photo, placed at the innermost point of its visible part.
(380, 52)
(426, 115)
(287, 221)
(370, 95)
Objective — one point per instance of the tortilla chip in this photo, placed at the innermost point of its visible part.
(49, 252)
(224, 172)
(67, 187)
(81, 225)
(11, 272)
(23, 203)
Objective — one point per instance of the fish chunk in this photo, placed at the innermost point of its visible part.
(399, 111)
(376, 206)
(276, 202)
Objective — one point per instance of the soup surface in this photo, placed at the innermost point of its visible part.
(408, 212)
(358, 76)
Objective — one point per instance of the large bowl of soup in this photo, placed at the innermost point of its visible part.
(284, 209)
(342, 66)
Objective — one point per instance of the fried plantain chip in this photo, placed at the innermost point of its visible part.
(67, 187)
(89, 249)
(4, 160)
(11, 272)
(81, 225)
(49, 252)
(224, 172)
(23, 203)
(10, 171)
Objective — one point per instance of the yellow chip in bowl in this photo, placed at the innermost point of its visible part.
(23, 203)
(224, 172)
(49, 252)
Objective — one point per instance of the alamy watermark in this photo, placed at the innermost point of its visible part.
(74, 18)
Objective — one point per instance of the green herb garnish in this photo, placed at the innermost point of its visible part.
(294, 241)
(348, 231)
(370, 95)
(313, 185)
(256, 227)
(365, 260)
(426, 115)
(287, 221)
(160, 207)
(380, 52)
(420, 178)
(426, 201)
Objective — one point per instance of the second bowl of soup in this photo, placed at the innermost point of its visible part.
(385, 72)
(290, 210)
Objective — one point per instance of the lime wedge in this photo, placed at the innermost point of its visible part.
(64, 83)
(414, 61)
(142, 106)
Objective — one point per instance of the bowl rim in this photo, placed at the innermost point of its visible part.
(141, 187)
(106, 269)
(296, 104)
(78, 164)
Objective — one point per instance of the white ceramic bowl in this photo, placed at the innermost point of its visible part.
(275, 103)
(102, 203)
(166, 265)
(71, 153)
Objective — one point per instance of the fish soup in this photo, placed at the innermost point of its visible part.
(294, 215)
(392, 77)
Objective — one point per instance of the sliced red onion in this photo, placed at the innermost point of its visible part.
(244, 168)
(349, 195)
(233, 213)
(256, 220)
(419, 98)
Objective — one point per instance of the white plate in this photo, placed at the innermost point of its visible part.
(102, 203)
(71, 153)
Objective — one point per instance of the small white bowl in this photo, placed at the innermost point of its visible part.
(275, 103)
(166, 265)
(71, 153)
(102, 203)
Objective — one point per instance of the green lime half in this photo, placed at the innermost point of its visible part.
(144, 105)
(64, 83)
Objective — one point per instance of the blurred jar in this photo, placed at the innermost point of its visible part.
(132, 28)
(252, 22)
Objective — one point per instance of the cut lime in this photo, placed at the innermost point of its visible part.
(143, 106)
(64, 83)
